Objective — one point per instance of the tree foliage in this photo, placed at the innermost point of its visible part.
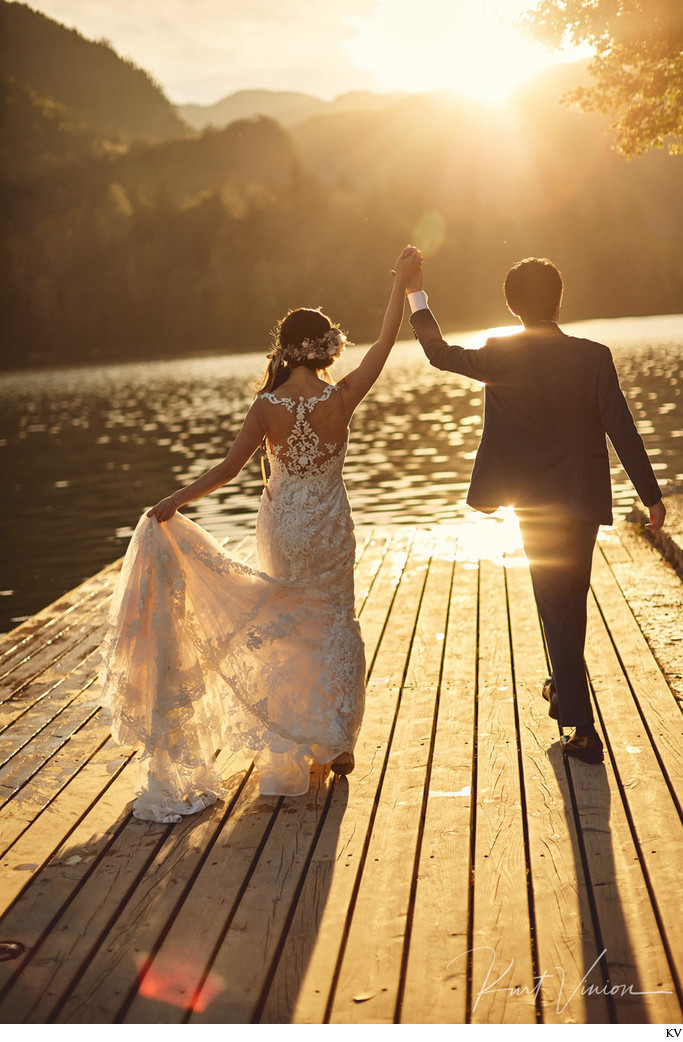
(637, 64)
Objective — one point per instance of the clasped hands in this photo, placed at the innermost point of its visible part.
(408, 268)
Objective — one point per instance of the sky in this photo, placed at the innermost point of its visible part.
(202, 50)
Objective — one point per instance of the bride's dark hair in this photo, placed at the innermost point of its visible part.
(290, 332)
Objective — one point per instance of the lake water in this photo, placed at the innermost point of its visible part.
(85, 450)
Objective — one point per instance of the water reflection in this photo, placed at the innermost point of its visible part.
(84, 450)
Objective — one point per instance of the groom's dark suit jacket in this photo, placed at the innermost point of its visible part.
(550, 401)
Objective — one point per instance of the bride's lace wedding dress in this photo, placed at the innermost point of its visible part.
(204, 653)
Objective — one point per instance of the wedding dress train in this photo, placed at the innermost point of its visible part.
(205, 653)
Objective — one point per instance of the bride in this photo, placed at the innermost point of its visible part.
(203, 652)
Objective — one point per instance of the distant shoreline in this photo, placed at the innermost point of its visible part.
(462, 335)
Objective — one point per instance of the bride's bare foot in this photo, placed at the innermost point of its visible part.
(343, 764)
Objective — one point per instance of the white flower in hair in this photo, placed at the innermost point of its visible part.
(329, 345)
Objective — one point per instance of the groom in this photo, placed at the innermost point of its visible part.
(550, 400)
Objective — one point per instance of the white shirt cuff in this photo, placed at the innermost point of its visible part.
(417, 300)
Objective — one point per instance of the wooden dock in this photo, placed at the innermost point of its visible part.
(464, 873)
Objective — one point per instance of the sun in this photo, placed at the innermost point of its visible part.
(464, 46)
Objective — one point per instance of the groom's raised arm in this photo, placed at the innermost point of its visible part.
(441, 355)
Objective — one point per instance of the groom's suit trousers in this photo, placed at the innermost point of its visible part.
(560, 552)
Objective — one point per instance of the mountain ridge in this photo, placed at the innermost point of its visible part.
(287, 107)
(293, 107)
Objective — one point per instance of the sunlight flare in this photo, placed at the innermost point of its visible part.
(172, 981)
(492, 537)
(469, 47)
(430, 232)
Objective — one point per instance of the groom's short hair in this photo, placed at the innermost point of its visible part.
(533, 289)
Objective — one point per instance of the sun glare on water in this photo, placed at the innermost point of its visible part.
(479, 338)
(464, 46)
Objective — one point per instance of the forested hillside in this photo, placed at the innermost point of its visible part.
(36, 137)
(88, 78)
(120, 248)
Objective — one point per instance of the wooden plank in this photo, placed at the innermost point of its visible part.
(61, 648)
(303, 981)
(38, 843)
(651, 691)
(595, 792)
(373, 602)
(374, 949)
(47, 649)
(654, 593)
(21, 720)
(435, 989)
(35, 750)
(501, 936)
(166, 987)
(57, 626)
(80, 640)
(44, 786)
(260, 920)
(40, 627)
(566, 945)
(609, 540)
(625, 917)
(47, 917)
(92, 917)
(374, 547)
(98, 993)
(653, 815)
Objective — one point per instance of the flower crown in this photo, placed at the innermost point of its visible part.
(320, 348)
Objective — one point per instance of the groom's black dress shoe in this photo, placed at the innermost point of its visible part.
(550, 696)
(583, 747)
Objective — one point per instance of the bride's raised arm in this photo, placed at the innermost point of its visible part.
(358, 382)
(243, 448)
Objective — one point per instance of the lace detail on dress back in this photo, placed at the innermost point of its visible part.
(304, 455)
